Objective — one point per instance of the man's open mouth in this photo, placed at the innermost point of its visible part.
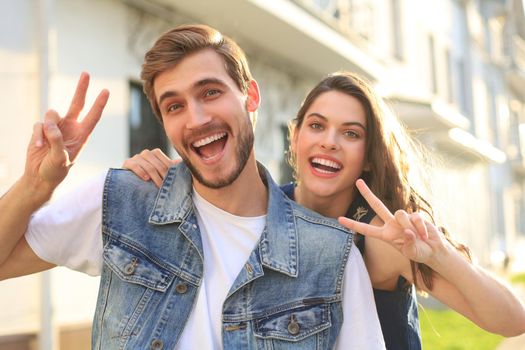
(210, 146)
(325, 166)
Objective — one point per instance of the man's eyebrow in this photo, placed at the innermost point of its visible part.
(200, 83)
(166, 95)
(318, 115)
(207, 81)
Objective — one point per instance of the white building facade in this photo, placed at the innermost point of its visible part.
(453, 70)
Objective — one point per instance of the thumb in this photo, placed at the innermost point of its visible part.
(54, 138)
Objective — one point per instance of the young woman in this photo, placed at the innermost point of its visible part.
(341, 134)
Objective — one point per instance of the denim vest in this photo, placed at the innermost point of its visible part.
(283, 298)
(397, 309)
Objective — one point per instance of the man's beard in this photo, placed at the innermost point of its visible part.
(242, 154)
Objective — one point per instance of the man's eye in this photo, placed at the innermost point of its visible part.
(173, 107)
(212, 92)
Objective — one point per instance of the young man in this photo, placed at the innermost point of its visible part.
(218, 258)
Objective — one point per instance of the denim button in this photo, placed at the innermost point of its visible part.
(130, 268)
(157, 344)
(194, 226)
(293, 326)
(181, 288)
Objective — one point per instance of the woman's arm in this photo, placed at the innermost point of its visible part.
(464, 286)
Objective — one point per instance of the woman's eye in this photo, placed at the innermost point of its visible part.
(316, 126)
(351, 134)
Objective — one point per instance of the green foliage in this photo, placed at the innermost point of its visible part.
(518, 278)
(448, 330)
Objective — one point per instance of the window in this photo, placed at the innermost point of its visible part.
(450, 87)
(361, 18)
(286, 170)
(397, 30)
(432, 62)
(461, 86)
(145, 132)
(493, 115)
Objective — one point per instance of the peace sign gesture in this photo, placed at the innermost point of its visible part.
(56, 143)
(415, 238)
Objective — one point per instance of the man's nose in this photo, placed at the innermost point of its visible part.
(197, 116)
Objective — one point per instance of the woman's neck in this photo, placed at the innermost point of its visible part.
(329, 206)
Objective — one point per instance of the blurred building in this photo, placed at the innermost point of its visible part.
(453, 70)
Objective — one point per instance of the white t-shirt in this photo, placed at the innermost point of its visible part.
(68, 233)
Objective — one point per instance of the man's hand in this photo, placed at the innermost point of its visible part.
(54, 146)
(56, 142)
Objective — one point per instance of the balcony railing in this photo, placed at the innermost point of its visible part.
(354, 18)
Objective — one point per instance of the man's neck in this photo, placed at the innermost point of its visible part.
(246, 196)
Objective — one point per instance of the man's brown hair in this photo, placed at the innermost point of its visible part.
(176, 44)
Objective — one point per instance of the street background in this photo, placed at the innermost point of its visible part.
(452, 70)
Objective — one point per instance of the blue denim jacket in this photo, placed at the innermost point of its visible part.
(397, 309)
(284, 298)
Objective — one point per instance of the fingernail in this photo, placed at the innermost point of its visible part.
(39, 143)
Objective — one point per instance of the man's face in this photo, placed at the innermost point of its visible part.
(206, 117)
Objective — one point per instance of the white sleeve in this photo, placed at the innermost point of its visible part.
(68, 231)
(361, 328)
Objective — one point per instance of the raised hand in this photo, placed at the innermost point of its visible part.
(415, 238)
(57, 142)
(150, 165)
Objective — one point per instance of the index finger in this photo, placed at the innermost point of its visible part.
(375, 203)
(360, 227)
(91, 119)
(77, 103)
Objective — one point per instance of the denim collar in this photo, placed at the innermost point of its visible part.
(278, 243)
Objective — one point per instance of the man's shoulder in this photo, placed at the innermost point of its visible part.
(314, 219)
(306, 219)
(125, 178)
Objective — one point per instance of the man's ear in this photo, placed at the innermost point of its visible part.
(254, 97)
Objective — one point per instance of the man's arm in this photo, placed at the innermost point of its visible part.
(54, 146)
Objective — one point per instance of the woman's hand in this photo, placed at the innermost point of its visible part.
(414, 237)
(150, 165)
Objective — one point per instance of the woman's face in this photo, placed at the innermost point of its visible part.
(330, 146)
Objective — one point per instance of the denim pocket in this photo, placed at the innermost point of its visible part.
(304, 327)
(133, 265)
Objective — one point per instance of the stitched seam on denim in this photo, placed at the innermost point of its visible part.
(281, 308)
(160, 199)
(102, 313)
(325, 324)
(135, 316)
(134, 246)
(340, 275)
